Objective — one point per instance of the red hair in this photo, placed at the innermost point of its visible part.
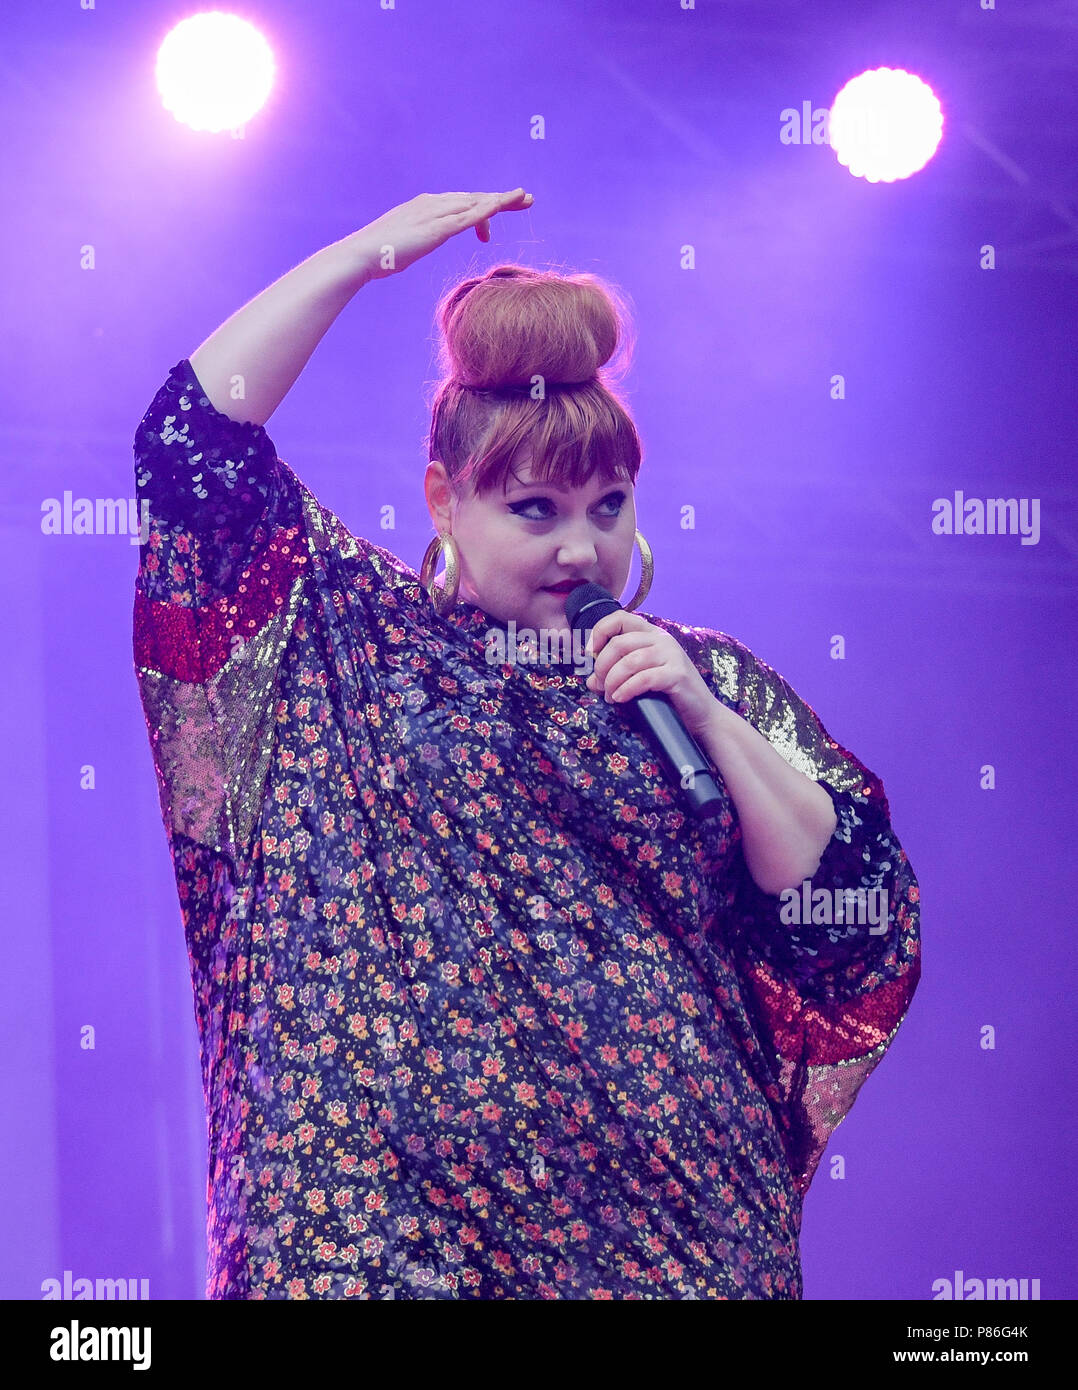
(523, 361)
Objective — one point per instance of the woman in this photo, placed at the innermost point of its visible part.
(482, 1012)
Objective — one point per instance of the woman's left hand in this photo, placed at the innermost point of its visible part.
(633, 656)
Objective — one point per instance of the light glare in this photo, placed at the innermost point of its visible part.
(885, 125)
(214, 71)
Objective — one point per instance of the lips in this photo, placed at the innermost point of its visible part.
(565, 587)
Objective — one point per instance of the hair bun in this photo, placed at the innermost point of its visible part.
(509, 330)
(503, 329)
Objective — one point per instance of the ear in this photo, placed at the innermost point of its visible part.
(439, 494)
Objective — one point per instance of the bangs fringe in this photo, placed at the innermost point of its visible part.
(571, 435)
(504, 332)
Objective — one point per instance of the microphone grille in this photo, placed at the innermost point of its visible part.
(587, 596)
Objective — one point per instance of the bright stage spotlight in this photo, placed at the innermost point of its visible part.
(214, 71)
(885, 125)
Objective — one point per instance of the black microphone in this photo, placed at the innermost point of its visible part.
(653, 714)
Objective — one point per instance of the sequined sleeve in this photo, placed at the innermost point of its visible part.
(832, 972)
(220, 571)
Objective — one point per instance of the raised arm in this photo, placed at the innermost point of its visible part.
(249, 364)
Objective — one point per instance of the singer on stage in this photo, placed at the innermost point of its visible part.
(485, 1011)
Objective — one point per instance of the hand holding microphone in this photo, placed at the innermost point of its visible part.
(661, 689)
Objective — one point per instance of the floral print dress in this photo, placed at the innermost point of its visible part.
(483, 1014)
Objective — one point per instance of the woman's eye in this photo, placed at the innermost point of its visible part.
(518, 508)
(616, 499)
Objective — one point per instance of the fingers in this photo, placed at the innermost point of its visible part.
(516, 200)
(615, 625)
(498, 202)
(494, 200)
(627, 675)
(501, 202)
(479, 208)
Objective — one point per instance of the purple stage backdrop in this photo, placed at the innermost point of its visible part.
(820, 360)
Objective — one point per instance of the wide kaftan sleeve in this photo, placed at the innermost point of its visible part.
(217, 594)
(829, 994)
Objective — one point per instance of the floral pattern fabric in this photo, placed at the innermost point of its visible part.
(483, 1014)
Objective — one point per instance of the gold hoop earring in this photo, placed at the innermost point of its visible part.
(442, 596)
(647, 574)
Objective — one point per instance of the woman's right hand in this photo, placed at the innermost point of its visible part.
(402, 235)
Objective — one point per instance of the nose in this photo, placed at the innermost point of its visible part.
(576, 549)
